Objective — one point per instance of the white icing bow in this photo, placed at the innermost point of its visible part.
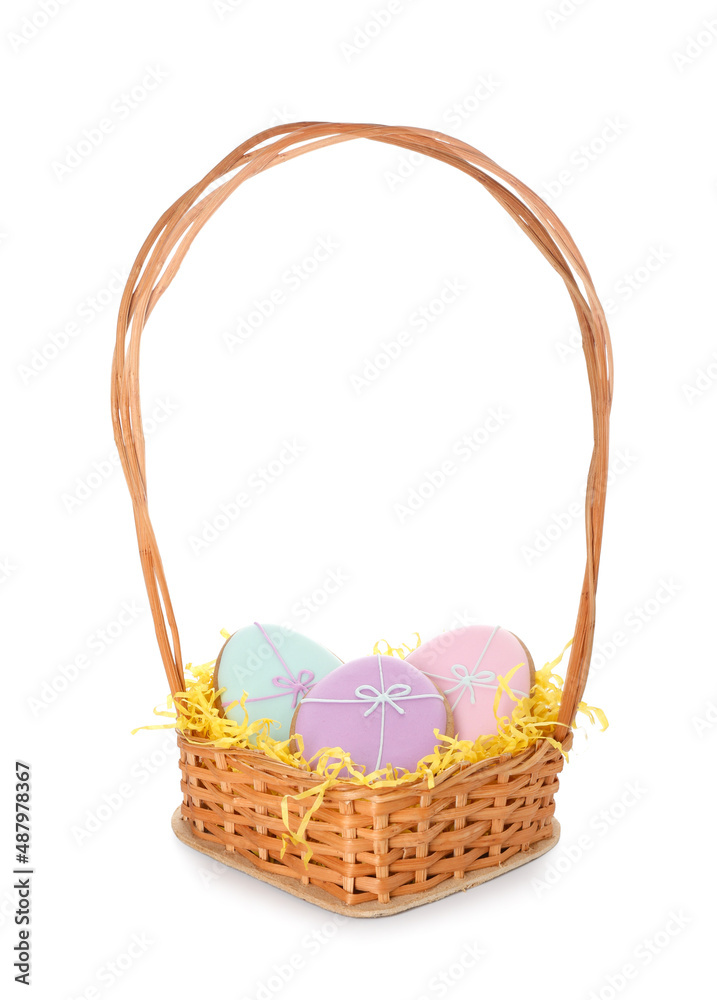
(469, 680)
(395, 693)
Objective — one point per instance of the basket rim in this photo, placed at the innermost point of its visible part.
(255, 759)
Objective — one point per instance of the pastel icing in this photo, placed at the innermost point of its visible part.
(379, 709)
(275, 666)
(465, 664)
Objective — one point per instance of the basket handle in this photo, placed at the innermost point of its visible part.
(166, 246)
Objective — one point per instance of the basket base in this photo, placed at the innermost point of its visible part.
(317, 896)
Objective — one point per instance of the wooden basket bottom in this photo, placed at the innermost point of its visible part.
(319, 897)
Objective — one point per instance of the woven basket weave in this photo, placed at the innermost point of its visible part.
(374, 851)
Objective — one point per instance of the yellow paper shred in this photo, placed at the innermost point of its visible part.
(401, 651)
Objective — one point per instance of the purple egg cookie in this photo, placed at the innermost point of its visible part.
(379, 709)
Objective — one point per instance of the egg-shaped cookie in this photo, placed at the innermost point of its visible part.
(379, 709)
(466, 664)
(275, 666)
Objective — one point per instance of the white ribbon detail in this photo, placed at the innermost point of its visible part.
(386, 696)
(469, 680)
(397, 692)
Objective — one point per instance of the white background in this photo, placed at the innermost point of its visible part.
(632, 85)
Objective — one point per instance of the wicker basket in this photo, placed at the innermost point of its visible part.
(374, 851)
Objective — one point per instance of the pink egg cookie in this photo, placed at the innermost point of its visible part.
(379, 709)
(465, 664)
